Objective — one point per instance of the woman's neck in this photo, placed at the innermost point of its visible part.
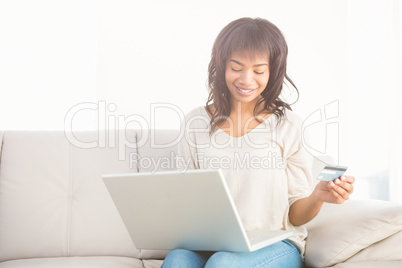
(243, 109)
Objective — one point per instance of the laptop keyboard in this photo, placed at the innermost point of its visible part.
(255, 236)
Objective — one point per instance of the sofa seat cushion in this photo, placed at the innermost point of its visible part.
(152, 263)
(82, 262)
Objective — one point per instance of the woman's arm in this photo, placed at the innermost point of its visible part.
(337, 192)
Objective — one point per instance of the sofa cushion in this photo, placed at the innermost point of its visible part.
(33, 207)
(389, 249)
(52, 199)
(152, 263)
(96, 227)
(340, 231)
(157, 149)
(81, 262)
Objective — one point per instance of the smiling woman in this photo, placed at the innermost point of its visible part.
(246, 55)
(246, 77)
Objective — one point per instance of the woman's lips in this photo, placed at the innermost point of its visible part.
(244, 91)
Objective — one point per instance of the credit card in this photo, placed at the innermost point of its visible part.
(330, 173)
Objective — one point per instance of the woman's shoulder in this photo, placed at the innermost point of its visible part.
(290, 120)
(292, 117)
(197, 117)
(195, 112)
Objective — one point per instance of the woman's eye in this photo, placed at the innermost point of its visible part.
(259, 72)
(236, 70)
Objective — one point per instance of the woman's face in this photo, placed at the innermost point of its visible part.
(246, 77)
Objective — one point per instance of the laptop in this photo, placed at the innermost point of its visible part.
(190, 210)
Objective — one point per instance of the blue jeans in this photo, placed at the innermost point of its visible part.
(281, 254)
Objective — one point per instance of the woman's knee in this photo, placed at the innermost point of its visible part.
(221, 259)
(182, 258)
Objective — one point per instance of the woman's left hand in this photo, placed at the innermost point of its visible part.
(336, 192)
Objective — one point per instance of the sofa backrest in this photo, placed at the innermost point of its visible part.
(52, 199)
(157, 149)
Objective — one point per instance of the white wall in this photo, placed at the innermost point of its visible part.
(374, 84)
(47, 61)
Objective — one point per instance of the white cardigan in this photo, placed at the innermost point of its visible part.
(266, 170)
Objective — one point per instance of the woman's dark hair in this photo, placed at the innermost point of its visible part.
(257, 37)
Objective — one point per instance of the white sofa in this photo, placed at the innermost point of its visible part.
(56, 212)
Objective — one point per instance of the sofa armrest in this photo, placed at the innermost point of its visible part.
(340, 231)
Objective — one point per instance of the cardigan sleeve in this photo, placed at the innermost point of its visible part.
(186, 154)
(298, 172)
(298, 163)
(187, 147)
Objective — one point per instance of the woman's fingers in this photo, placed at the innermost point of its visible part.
(337, 191)
(349, 179)
(342, 188)
(338, 198)
(348, 187)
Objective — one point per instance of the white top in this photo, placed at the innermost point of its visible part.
(266, 170)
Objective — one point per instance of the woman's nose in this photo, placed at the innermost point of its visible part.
(246, 78)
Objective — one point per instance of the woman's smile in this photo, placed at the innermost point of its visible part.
(244, 91)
